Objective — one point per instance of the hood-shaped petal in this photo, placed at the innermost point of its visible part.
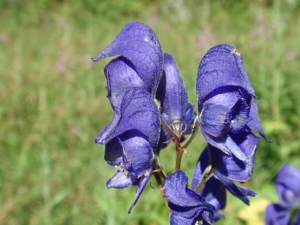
(138, 43)
(231, 166)
(136, 110)
(277, 215)
(288, 185)
(121, 74)
(183, 201)
(221, 66)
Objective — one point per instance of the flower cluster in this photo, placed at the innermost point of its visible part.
(288, 190)
(151, 108)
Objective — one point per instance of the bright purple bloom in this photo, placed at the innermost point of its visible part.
(131, 139)
(288, 186)
(187, 207)
(177, 112)
(277, 215)
(139, 44)
(226, 101)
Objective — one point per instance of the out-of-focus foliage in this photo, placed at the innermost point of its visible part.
(53, 100)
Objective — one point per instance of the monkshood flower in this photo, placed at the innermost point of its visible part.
(277, 215)
(131, 139)
(288, 186)
(226, 101)
(187, 207)
(139, 44)
(228, 169)
(177, 112)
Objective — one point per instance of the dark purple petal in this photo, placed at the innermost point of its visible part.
(136, 110)
(141, 186)
(183, 201)
(138, 43)
(213, 120)
(231, 166)
(221, 66)
(113, 152)
(137, 154)
(119, 180)
(235, 190)
(277, 215)
(226, 144)
(288, 185)
(254, 122)
(121, 74)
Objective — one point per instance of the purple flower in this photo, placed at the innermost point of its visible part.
(131, 139)
(177, 112)
(226, 101)
(139, 44)
(187, 206)
(288, 186)
(277, 215)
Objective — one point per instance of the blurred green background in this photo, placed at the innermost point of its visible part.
(53, 101)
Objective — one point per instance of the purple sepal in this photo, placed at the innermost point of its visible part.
(136, 110)
(113, 152)
(239, 192)
(254, 122)
(288, 186)
(231, 166)
(277, 215)
(141, 186)
(121, 74)
(184, 202)
(138, 43)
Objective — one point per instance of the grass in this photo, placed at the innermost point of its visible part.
(53, 102)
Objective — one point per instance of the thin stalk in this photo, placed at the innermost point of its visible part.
(174, 136)
(194, 132)
(206, 175)
(161, 188)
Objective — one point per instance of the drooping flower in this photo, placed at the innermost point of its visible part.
(226, 100)
(177, 112)
(288, 186)
(131, 139)
(139, 44)
(187, 207)
(228, 169)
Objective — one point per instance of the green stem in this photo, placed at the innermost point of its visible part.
(194, 132)
(206, 175)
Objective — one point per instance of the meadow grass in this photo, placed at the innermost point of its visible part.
(53, 102)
